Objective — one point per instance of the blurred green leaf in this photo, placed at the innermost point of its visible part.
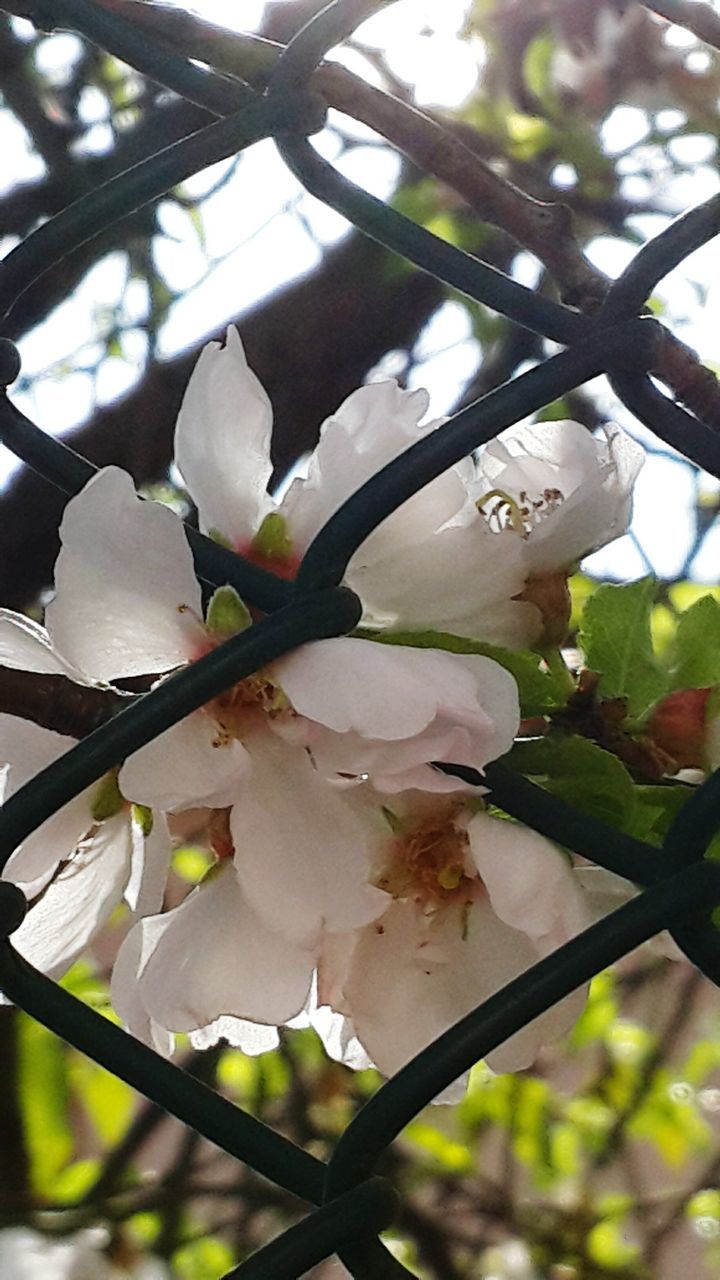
(108, 1101)
(615, 637)
(205, 1259)
(44, 1099)
(695, 656)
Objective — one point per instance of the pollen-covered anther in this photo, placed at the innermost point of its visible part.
(247, 703)
(521, 514)
(429, 861)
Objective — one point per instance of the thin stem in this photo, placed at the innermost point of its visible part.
(129, 191)
(463, 271)
(361, 1212)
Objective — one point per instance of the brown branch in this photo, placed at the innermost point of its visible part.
(542, 227)
(700, 18)
(56, 702)
(15, 1193)
(303, 344)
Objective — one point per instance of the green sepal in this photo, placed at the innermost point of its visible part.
(392, 820)
(272, 540)
(227, 614)
(108, 798)
(220, 538)
(143, 818)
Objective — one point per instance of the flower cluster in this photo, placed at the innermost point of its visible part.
(355, 884)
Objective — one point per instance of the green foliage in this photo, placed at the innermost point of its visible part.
(205, 1259)
(44, 1096)
(616, 638)
(227, 614)
(695, 656)
(580, 772)
(107, 1100)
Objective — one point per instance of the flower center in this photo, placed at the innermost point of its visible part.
(428, 858)
(521, 514)
(271, 548)
(246, 705)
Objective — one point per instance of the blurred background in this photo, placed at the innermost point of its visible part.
(603, 1162)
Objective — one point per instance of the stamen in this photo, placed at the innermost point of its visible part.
(522, 514)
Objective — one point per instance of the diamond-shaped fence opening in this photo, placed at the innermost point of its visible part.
(608, 335)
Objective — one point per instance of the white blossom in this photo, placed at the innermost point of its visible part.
(84, 859)
(475, 901)
(127, 603)
(462, 554)
(26, 1254)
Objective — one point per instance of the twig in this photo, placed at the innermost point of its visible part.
(543, 228)
(700, 18)
(56, 702)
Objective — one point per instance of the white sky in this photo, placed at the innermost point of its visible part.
(261, 229)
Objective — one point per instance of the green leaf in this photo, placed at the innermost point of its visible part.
(581, 773)
(205, 1259)
(540, 690)
(615, 637)
(608, 1246)
(656, 808)
(107, 1100)
(74, 1181)
(450, 1155)
(695, 660)
(537, 65)
(44, 1098)
(107, 798)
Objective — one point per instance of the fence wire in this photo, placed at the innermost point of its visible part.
(680, 886)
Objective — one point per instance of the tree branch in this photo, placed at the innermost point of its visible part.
(542, 227)
(700, 18)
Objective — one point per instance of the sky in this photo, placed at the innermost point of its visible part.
(260, 230)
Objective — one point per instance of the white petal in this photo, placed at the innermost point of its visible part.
(605, 892)
(393, 709)
(531, 884)
(595, 476)
(460, 579)
(222, 441)
(28, 748)
(215, 958)
(302, 851)
(439, 972)
(25, 646)
(190, 764)
(150, 867)
(379, 691)
(59, 926)
(125, 993)
(127, 601)
(250, 1037)
(411, 980)
(339, 1039)
(374, 425)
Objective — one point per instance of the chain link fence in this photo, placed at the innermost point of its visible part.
(603, 331)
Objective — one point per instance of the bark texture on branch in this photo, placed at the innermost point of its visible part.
(303, 344)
